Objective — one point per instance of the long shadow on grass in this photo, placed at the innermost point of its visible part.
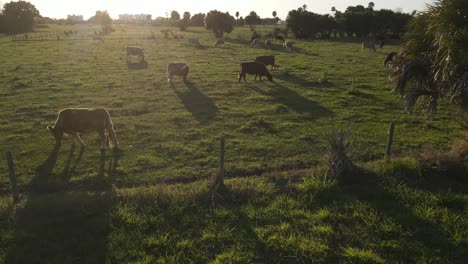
(201, 106)
(294, 101)
(56, 226)
(137, 65)
(420, 237)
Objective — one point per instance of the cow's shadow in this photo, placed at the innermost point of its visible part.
(59, 222)
(137, 65)
(293, 100)
(202, 107)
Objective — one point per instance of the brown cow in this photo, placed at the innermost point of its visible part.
(267, 60)
(84, 120)
(257, 68)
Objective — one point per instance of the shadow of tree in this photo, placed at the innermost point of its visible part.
(202, 107)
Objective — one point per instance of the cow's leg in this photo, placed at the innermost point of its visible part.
(78, 137)
(102, 135)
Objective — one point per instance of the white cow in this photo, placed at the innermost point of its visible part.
(368, 45)
(255, 43)
(288, 45)
(177, 69)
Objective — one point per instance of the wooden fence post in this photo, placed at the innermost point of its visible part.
(11, 172)
(388, 150)
(220, 180)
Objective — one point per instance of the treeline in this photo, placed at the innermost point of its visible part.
(356, 21)
(18, 17)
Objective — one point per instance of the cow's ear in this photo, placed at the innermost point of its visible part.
(50, 127)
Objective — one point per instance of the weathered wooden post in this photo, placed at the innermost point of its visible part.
(220, 180)
(11, 172)
(388, 150)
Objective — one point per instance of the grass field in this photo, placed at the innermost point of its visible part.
(150, 204)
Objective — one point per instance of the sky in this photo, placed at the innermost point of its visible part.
(87, 8)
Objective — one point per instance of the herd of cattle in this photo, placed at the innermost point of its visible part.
(73, 121)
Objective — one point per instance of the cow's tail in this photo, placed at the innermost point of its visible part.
(111, 131)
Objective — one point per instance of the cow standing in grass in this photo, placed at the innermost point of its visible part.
(73, 121)
(267, 60)
(288, 46)
(177, 69)
(370, 45)
(219, 42)
(135, 51)
(193, 41)
(280, 38)
(254, 68)
(255, 43)
(268, 43)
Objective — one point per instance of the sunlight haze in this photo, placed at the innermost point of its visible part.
(87, 8)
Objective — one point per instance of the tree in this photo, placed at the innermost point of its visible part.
(253, 19)
(237, 15)
(184, 22)
(371, 5)
(432, 61)
(18, 17)
(198, 20)
(219, 23)
(103, 19)
(175, 16)
(274, 14)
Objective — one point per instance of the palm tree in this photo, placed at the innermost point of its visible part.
(432, 61)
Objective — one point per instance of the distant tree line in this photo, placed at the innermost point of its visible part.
(356, 21)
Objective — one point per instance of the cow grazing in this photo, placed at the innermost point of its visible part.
(267, 60)
(136, 52)
(193, 41)
(254, 68)
(370, 45)
(219, 42)
(177, 69)
(382, 44)
(280, 38)
(288, 45)
(73, 121)
(255, 43)
(268, 43)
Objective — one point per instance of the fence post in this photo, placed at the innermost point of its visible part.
(11, 172)
(220, 180)
(388, 150)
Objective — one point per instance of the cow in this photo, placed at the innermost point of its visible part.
(257, 68)
(368, 45)
(267, 60)
(135, 51)
(382, 44)
(280, 38)
(219, 42)
(268, 43)
(288, 45)
(193, 41)
(73, 121)
(255, 43)
(178, 69)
